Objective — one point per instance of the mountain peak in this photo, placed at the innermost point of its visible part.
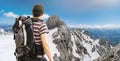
(54, 21)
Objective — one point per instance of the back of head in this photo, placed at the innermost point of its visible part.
(38, 10)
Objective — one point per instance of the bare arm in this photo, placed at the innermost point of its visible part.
(46, 46)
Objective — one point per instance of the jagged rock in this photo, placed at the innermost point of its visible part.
(56, 58)
(54, 21)
(103, 47)
(100, 50)
(64, 44)
(89, 34)
(93, 49)
(111, 55)
(105, 43)
(75, 44)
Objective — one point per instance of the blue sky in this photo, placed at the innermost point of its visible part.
(72, 12)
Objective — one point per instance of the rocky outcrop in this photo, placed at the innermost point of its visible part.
(88, 45)
(54, 21)
(62, 38)
(105, 45)
(75, 44)
(111, 55)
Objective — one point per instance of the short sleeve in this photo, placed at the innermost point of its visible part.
(43, 28)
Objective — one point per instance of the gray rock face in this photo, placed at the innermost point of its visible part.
(105, 43)
(64, 43)
(111, 55)
(54, 21)
(81, 50)
(76, 44)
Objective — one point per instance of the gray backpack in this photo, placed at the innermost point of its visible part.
(23, 36)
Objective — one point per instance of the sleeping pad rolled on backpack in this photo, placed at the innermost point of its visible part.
(26, 50)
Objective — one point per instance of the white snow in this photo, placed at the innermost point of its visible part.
(50, 41)
(74, 46)
(92, 55)
(86, 58)
(97, 42)
(7, 47)
(2, 30)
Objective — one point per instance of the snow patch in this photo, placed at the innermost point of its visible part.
(7, 48)
(74, 46)
(50, 41)
(86, 58)
(91, 55)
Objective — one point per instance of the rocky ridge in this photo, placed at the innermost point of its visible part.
(75, 44)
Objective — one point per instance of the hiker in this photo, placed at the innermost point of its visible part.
(30, 37)
(40, 31)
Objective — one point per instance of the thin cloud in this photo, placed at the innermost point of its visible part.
(85, 5)
(44, 17)
(107, 3)
(107, 26)
(1, 11)
(11, 14)
(25, 15)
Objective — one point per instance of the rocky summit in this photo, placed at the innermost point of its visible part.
(78, 44)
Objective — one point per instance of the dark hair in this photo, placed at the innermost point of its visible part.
(38, 10)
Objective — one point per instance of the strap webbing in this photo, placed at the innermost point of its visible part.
(25, 35)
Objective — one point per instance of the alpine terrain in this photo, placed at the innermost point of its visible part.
(67, 44)
(75, 44)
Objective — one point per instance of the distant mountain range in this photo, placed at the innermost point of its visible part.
(6, 27)
(113, 35)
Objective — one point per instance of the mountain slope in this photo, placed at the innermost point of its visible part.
(111, 55)
(75, 44)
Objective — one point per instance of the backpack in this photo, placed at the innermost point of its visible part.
(23, 36)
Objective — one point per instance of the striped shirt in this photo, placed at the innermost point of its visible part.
(39, 27)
